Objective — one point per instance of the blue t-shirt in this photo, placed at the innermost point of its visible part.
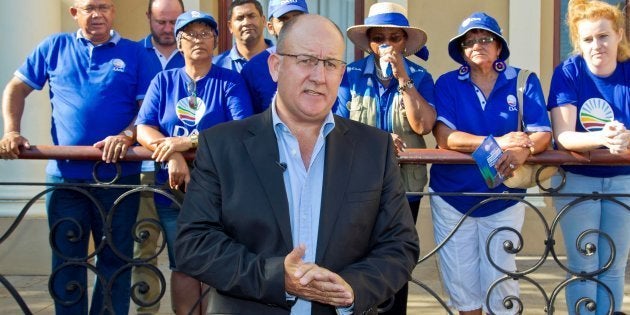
(261, 86)
(221, 96)
(232, 59)
(462, 106)
(361, 80)
(94, 93)
(597, 100)
(153, 65)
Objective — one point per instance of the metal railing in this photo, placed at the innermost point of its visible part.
(413, 156)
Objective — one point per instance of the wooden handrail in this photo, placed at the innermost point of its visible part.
(410, 156)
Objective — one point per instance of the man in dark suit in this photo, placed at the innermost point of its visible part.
(294, 210)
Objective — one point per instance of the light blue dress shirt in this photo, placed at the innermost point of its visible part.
(304, 191)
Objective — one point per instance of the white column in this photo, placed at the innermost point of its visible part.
(26, 23)
(524, 34)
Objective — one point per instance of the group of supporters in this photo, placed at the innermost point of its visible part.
(166, 90)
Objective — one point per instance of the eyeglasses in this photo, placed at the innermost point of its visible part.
(309, 62)
(101, 8)
(191, 89)
(379, 39)
(482, 40)
(201, 35)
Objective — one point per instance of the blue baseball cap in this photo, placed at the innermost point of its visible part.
(195, 16)
(278, 8)
(479, 21)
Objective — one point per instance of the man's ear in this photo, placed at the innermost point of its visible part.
(73, 12)
(274, 66)
(270, 29)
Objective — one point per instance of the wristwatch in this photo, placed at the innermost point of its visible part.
(194, 140)
(128, 133)
(405, 86)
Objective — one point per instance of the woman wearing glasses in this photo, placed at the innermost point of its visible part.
(588, 100)
(478, 100)
(388, 91)
(178, 104)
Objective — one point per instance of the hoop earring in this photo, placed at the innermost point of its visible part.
(463, 70)
(499, 65)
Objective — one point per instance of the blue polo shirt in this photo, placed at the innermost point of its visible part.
(221, 96)
(261, 86)
(361, 80)
(154, 63)
(461, 106)
(597, 100)
(232, 59)
(94, 93)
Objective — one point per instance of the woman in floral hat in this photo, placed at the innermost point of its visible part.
(478, 100)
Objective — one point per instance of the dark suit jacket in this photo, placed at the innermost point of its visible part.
(234, 228)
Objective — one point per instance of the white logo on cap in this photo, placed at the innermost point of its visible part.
(470, 20)
(283, 2)
(119, 65)
(195, 14)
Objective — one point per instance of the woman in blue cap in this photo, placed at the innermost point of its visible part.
(588, 100)
(178, 104)
(477, 100)
(388, 91)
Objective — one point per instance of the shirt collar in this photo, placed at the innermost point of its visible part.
(114, 37)
(279, 126)
(147, 42)
(235, 55)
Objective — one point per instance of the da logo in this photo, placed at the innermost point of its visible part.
(119, 65)
(595, 113)
(189, 110)
(511, 101)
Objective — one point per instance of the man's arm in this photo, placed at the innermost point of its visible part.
(394, 244)
(206, 250)
(13, 100)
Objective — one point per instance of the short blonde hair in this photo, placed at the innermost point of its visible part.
(579, 10)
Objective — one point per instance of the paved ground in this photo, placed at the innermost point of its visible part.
(35, 291)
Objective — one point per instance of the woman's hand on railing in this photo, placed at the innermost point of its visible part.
(165, 147)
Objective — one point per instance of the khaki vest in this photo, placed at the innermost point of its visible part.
(363, 109)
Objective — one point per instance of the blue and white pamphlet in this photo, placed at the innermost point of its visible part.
(486, 156)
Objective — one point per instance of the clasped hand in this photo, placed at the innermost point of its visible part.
(615, 137)
(314, 283)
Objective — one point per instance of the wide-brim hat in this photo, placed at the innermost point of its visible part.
(278, 8)
(387, 14)
(479, 21)
(195, 16)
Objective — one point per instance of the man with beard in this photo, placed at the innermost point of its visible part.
(161, 54)
(246, 23)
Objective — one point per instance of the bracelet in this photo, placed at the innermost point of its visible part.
(405, 86)
(13, 133)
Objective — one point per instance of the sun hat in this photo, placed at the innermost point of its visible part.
(387, 14)
(278, 8)
(194, 16)
(480, 21)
